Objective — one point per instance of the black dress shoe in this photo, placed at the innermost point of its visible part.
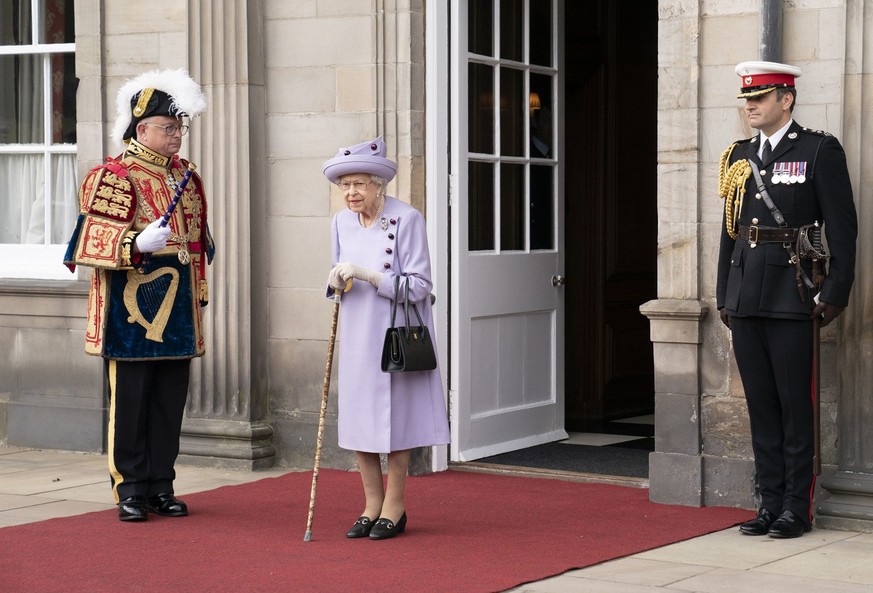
(788, 525)
(361, 528)
(760, 525)
(133, 508)
(385, 528)
(167, 505)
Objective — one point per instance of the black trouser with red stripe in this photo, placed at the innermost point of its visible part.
(146, 405)
(774, 357)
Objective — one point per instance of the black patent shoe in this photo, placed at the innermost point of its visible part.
(788, 525)
(385, 528)
(133, 508)
(760, 525)
(361, 528)
(167, 505)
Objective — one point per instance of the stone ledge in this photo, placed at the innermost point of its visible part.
(675, 320)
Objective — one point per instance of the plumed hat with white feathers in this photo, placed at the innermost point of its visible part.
(158, 92)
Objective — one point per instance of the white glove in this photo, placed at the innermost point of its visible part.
(153, 237)
(343, 271)
(334, 280)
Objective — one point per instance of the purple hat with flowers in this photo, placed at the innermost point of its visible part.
(366, 157)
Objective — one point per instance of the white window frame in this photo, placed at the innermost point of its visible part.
(44, 261)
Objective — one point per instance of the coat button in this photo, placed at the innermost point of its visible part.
(387, 265)
(392, 221)
(389, 251)
(390, 235)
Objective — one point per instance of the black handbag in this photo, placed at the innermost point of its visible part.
(408, 347)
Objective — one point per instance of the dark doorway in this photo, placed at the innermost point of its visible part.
(611, 219)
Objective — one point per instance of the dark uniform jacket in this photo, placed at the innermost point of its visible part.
(761, 281)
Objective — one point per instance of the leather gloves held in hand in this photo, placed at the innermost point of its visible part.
(343, 271)
(827, 312)
(153, 237)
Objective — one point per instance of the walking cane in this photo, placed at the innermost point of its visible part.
(337, 297)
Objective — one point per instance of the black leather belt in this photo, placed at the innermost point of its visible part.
(762, 234)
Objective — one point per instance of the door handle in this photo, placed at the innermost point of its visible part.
(558, 280)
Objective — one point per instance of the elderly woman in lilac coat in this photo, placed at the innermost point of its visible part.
(375, 240)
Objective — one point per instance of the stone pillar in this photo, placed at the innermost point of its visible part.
(850, 505)
(226, 415)
(676, 466)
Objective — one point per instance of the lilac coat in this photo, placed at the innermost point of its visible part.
(383, 412)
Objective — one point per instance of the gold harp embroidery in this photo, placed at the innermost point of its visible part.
(154, 328)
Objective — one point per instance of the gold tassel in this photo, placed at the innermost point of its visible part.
(732, 182)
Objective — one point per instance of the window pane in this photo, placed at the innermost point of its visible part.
(480, 215)
(56, 21)
(64, 83)
(511, 207)
(513, 112)
(65, 201)
(511, 36)
(15, 22)
(540, 39)
(480, 28)
(22, 198)
(481, 98)
(541, 201)
(21, 118)
(541, 125)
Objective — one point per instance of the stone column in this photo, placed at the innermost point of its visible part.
(850, 505)
(226, 415)
(676, 466)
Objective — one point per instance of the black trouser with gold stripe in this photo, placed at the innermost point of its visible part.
(774, 357)
(146, 405)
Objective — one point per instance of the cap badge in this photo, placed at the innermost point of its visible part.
(748, 80)
(144, 97)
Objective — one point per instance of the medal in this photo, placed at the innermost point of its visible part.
(780, 176)
(801, 174)
(777, 172)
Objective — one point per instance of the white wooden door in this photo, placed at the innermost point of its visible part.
(507, 382)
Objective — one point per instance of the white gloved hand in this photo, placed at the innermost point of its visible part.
(345, 270)
(334, 280)
(153, 237)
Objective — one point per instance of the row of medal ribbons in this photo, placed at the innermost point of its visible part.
(794, 172)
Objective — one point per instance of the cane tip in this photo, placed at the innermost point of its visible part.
(308, 536)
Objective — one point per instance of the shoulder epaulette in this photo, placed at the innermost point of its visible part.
(816, 132)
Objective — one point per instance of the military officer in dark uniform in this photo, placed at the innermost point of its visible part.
(780, 187)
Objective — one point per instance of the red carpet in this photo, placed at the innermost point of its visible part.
(467, 533)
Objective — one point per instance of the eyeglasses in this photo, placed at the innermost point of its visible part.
(170, 129)
(358, 185)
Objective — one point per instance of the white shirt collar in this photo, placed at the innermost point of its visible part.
(775, 138)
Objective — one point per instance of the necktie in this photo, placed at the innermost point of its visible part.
(766, 152)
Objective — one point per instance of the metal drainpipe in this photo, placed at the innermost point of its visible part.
(771, 30)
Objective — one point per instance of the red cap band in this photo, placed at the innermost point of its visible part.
(755, 80)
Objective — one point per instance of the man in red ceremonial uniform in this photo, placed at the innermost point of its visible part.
(142, 227)
(780, 187)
